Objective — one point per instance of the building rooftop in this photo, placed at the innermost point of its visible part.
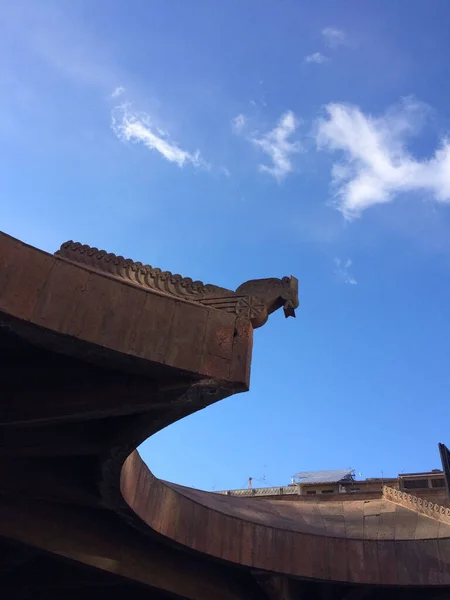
(324, 476)
(422, 474)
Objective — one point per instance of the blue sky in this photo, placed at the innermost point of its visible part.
(235, 140)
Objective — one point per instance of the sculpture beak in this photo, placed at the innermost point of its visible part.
(288, 309)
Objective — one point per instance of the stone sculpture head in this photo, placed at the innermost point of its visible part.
(275, 293)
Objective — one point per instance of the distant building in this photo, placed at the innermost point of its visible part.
(306, 485)
(420, 481)
(324, 482)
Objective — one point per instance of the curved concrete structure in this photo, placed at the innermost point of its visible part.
(367, 542)
(349, 519)
(93, 363)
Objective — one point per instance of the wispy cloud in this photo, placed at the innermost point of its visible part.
(129, 125)
(277, 145)
(334, 37)
(375, 164)
(238, 123)
(118, 91)
(317, 58)
(341, 271)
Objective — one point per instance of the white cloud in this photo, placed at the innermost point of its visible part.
(118, 92)
(277, 146)
(342, 271)
(131, 126)
(334, 37)
(317, 58)
(375, 164)
(238, 123)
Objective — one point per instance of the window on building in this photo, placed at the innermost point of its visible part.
(310, 493)
(414, 484)
(438, 483)
(327, 491)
